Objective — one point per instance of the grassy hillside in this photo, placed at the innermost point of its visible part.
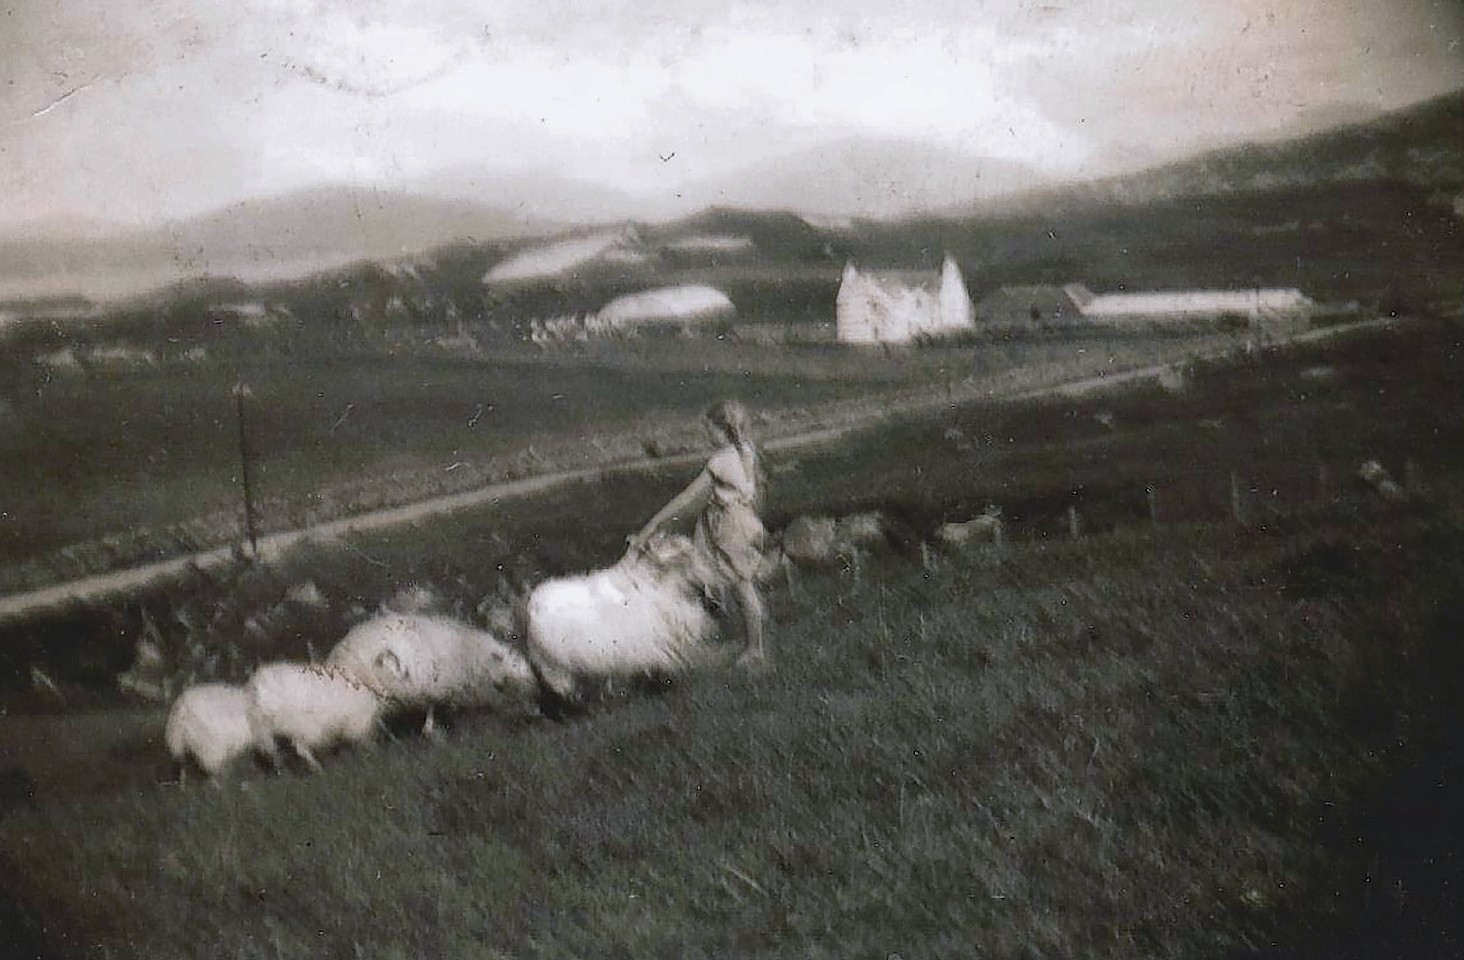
(1417, 145)
(1384, 243)
(1362, 212)
(1130, 747)
(106, 454)
(149, 457)
(1184, 741)
(1289, 426)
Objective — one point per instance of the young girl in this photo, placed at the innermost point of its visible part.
(729, 534)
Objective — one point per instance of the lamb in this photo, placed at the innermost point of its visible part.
(641, 616)
(815, 541)
(209, 724)
(310, 706)
(421, 660)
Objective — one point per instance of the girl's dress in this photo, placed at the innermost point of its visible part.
(729, 534)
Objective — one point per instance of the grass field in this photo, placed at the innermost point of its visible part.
(1192, 740)
(1128, 747)
(1274, 421)
(149, 459)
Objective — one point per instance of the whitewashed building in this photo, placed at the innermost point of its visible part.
(898, 306)
(1074, 303)
(1255, 304)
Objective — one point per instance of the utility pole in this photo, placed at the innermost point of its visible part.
(241, 391)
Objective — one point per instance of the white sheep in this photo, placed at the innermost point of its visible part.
(1173, 378)
(209, 724)
(641, 616)
(810, 540)
(311, 707)
(815, 541)
(858, 531)
(987, 527)
(420, 660)
(1376, 476)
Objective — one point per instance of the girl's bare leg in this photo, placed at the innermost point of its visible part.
(749, 601)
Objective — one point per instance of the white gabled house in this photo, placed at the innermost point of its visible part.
(898, 306)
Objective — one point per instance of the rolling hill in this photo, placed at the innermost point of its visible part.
(536, 197)
(865, 198)
(868, 178)
(1418, 145)
(255, 240)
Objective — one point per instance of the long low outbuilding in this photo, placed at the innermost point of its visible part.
(1188, 303)
(1070, 303)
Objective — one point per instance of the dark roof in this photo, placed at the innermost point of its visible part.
(926, 280)
(1037, 302)
(1071, 292)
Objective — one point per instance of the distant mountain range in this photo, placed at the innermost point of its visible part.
(337, 221)
(537, 198)
(852, 177)
(866, 178)
(1421, 145)
(253, 240)
(310, 230)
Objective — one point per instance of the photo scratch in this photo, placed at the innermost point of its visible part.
(58, 101)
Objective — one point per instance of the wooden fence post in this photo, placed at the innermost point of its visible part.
(1237, 499)
(1324, 482)
(241, 392)
(1152, 494)
(1075, 530)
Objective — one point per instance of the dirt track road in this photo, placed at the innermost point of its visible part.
(22, 605)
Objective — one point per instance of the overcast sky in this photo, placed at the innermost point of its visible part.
(138, 110)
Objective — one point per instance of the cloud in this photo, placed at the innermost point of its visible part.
(363, 57)
(579, 98)
(948, 87)
(136, 109)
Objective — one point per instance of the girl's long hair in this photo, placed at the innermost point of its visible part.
(731, 417)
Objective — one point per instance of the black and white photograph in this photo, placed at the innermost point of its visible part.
(798, 479)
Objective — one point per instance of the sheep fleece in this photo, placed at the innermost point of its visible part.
(436, 660)
(210, 723)
(618, 621)
(310, 706)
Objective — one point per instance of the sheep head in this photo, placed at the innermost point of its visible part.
(666, 558)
